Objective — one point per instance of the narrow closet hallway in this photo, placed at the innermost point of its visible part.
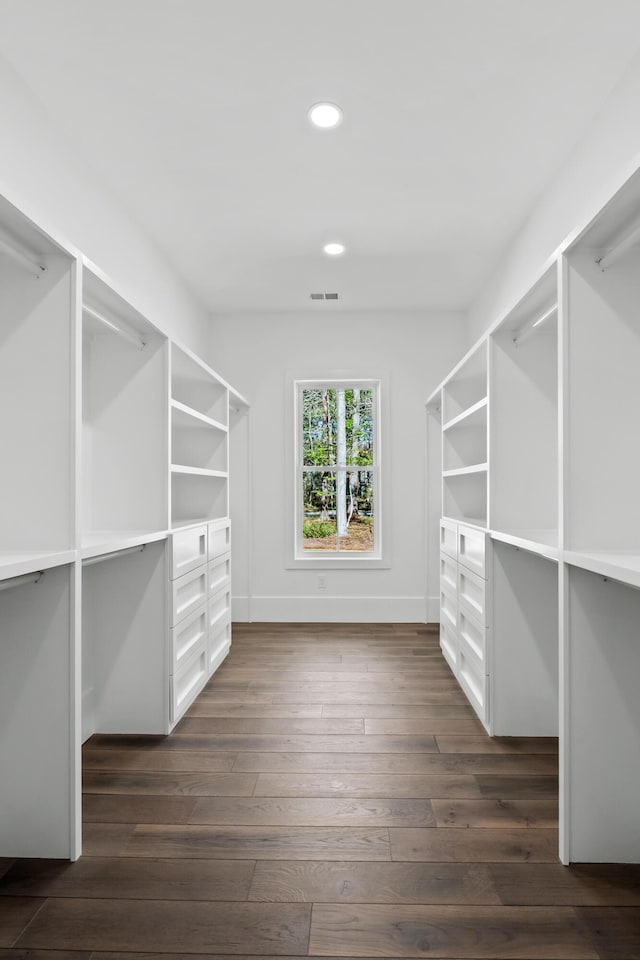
(330, 793)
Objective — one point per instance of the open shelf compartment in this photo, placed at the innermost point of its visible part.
(124, 407)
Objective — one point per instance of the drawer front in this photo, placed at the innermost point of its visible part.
(188, 635)
(472, 549)
(219, 574)
(187, 683)
(473, 636)
(188, 550)
(448, 609)
(473, 595)
(474, 682)
(449, 645)
(448, 571)
(187, 594)
(449, 538)
(218, 610)
(219, 538)
(218, 646)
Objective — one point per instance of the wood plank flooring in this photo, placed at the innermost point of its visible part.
(330, 794)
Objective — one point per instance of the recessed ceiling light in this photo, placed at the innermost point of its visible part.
(325, 115)
(333, 249)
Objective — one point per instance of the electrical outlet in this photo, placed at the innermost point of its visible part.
(322, 582)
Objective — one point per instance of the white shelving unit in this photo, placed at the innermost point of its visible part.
(199, 411)
(39, 713)
(124, 427)
(124, 646)
(560, 605)
(524, 419)
(464, 440)
(37, 374)
(94, 398)
(601, 611)
(524, 669)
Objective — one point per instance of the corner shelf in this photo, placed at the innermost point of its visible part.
(475, 415)
(191, 419)
(465, 471)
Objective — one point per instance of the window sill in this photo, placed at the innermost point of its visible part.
(327, 562)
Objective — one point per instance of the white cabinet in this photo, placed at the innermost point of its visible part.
(465, 610)
(200, 590)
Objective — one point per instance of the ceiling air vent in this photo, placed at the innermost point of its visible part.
(331, 296)
(317, 296)
(324, 296)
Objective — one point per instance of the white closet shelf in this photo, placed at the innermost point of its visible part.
(466, 471)
(541, 542)
(618, 565)
(189, 417)
(15, 563)
(178, 468)
(480, 522)
(475, 415)
(96, 542)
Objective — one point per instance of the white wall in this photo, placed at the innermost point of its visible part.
(598, 165)
(41, 176)
(256, 353)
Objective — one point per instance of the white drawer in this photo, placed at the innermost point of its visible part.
(186, 637)
(218, 609)
(473, 595)
(448, 571)
(473, 636)
(188, 550)
(187, 594)
(449, 645)
(448, 608)
(219, 574)
(473, 681)
(449, 537)
(218, 646)
(187, 682)
(472, 549)
(219, 538)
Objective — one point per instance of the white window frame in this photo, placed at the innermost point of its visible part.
(297, 557)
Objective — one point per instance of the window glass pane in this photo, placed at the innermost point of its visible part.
(319, 510)
(319, 428)
(359, 427)
(355, 510)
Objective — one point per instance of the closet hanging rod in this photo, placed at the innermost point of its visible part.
(24, 260)
(629, 238)
(126, 334)
(528, 328)
(21, 580)
(89, 562)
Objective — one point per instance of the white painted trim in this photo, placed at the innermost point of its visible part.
(433, 609)
(241, 609)
(337, 609)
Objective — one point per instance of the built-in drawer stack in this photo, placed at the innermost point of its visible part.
(200, 614)
(465, 610)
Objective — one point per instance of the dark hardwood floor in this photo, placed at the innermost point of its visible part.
(330, 794)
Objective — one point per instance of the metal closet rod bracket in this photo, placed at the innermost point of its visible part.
(21, 580)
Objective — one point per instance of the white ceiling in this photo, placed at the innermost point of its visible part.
(193, 113)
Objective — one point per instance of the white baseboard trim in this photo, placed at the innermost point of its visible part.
(433, 609)
(240, 609)
(329, 609)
